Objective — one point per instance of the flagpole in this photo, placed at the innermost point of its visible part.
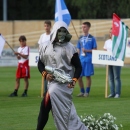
(10, 46)
(106, 85)
(74, 29)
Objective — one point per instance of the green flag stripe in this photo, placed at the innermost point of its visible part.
(122, 54)
(117, 42)
(120, 47)
(125, 41)
(114, 38)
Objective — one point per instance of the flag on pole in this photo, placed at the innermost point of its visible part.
(2, 42)
(119, 37)
(61, 12)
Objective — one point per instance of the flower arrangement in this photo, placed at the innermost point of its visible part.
(105, 122)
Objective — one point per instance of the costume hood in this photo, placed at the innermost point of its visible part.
(56, 26)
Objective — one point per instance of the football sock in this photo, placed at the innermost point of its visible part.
(87, 89)
(25, 91)
(15, 91)
(82, 90)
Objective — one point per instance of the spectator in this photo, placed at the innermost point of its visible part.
(113, 72)
(44, 38)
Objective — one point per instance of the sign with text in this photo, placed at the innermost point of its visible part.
(33, 58)
(105, 58)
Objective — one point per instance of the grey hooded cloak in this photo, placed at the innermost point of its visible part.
(59, 56)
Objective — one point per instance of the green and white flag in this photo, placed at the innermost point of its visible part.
(119, 38)
(2, 42)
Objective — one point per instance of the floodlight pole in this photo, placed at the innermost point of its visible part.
(4, 10)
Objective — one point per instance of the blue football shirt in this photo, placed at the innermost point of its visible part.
(87, 42)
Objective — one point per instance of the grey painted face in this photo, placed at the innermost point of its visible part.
(61, 34)
(54, 36)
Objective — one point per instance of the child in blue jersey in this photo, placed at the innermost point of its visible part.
(85, 45)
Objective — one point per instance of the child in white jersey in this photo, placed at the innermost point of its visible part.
(23, 69)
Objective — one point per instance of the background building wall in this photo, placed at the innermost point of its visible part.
(11, 30)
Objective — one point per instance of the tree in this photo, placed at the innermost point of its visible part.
(86, 8)
(79, 9)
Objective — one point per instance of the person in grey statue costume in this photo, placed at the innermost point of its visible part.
(60, 54)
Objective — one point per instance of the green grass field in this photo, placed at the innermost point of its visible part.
(20, 113)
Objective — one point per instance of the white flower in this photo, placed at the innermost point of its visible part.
(101, 122)
(105, 122)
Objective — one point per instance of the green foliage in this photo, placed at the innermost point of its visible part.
(124, 8)
(87, 8)
(20, 113)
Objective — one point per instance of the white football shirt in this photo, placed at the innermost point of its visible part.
(44, 38)
(25, 51)
(108, 45)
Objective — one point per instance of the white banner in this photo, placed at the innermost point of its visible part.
(33, 58)
(105, 58)
(2, 42)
